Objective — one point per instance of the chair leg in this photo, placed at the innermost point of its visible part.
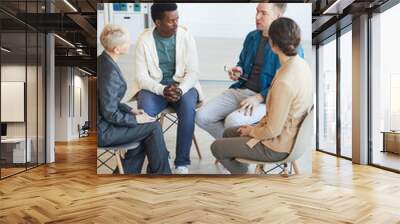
(296, 167)
(161, 120)
(196, 146)
(259, 169)
(285, 172)
(119, 163)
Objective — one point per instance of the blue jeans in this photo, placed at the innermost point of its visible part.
(185, 109)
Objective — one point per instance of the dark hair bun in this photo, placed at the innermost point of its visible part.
(290, 50)
(286, 34)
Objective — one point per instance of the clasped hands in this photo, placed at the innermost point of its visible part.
(172, 93)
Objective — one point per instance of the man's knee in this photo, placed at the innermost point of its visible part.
(144, 95)
(157, 135)
(189, 100)
(187, 103)
(202, 117)
(234, 119)
(155, 128)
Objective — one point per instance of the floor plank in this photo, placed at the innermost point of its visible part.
(70, 191)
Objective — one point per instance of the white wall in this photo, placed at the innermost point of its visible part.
(61, 103)
(81, 84)
(14, 73)
(220, 29)
(69, 85)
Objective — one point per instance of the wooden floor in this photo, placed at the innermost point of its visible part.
(10, 171)
(69, 191)
(387, 159)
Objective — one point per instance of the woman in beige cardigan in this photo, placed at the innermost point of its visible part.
(288, 101)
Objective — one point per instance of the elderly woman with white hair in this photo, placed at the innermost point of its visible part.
(118, 123)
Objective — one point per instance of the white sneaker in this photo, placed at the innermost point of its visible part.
(182, 170)
(251, 169)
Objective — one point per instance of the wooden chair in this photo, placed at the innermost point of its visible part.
(117, 152)
(169, 113)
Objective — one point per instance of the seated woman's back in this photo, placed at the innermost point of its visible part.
(296, 74)
(291, 93)
(289, 99)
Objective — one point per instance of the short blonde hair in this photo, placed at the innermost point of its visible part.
(113, 36)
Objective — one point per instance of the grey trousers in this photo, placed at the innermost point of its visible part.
(224, 112)
(233, 146)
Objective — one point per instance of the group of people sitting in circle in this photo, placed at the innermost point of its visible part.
(257, 118)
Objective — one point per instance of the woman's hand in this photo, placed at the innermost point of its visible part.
(245, 130)
(144, 118)
(137, 111)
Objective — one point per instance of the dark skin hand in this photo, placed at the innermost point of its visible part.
(172, 93)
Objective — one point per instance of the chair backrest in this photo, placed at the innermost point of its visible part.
(85, 126)
(304, 137)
